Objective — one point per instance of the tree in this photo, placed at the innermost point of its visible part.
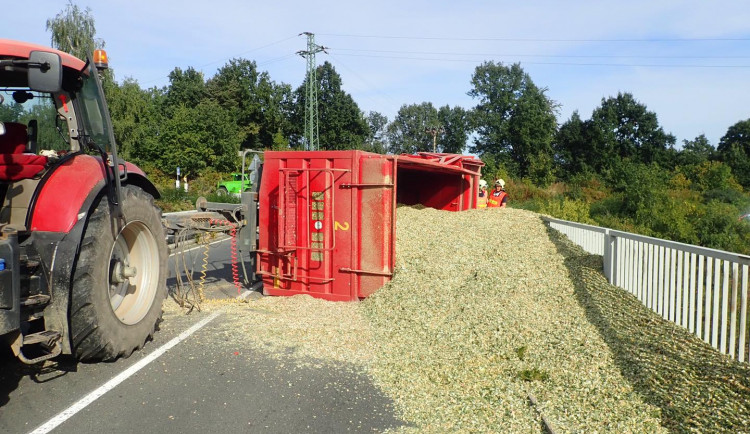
(376, 141)
(734, 150)
(186, 88)
(406, 134)
(696, 151)
(44, 112)
(455, 122)
(197, 137)
(11, 111)
(276, 101)
(571, 147)
(136, 117)
(532, 128)
(514, 120)
(257, 103)
(623, 128)
(74, 31)
(341, 124)
(641, 187)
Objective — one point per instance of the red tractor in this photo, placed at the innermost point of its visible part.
(83, 255)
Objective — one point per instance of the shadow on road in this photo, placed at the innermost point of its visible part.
(12, 372)
(697, 388)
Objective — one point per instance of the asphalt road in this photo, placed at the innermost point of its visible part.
(202, 384)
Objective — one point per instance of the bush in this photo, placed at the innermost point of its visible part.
(711, 175)
(206, 183)
(611, 205)
(535, 205)
(174, 199)
(524, 190)
(161, 180)
(717, 227)
(694, 204)
(567, 209)
(730, 196)
(587, 187)
(672, 220)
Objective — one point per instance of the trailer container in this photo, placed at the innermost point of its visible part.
(327, 219)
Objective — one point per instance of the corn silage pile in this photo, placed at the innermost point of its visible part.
(487, 307)
(481, 313)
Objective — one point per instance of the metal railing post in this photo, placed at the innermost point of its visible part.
(610, 253)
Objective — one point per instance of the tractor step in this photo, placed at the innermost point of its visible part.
(48, 341)
(29, 265)
(47, 338)
(35, 300)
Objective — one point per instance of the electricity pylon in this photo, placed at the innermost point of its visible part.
(434, 131)
(311, 92)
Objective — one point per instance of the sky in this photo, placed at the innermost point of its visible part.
(687, 61)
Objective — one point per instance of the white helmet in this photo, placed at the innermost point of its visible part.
(500, 182)
(482, 183)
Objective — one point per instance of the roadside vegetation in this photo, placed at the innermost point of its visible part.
(617, 168)
(699, 204)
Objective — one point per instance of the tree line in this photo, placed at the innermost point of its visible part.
(618, 168)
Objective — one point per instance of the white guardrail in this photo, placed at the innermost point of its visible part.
(703, 290)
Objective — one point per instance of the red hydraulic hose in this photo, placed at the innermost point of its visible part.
(233, 248)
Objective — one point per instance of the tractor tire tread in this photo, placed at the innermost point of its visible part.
(95, 332)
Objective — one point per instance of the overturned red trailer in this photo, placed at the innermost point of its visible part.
(327, 219)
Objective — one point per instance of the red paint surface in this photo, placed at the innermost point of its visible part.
(15, 167)
(63, 194)
(14, 163)
(327, 221)
(23, 49)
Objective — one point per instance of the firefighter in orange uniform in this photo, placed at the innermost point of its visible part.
(483, 194)
(498, 198)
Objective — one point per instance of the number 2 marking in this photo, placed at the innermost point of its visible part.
(343, 227)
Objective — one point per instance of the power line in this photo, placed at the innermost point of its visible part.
(376, 89)
(274, 60)
(478, 61)
(249, 51)
(199, 68)
(424, 38)
(594, 56)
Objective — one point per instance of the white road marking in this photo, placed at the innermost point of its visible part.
(124, 375)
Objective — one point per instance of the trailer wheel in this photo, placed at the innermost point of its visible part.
(119, 280)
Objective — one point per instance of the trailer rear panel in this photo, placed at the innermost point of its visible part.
(327, 222)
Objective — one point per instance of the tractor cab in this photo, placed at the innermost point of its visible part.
(49, 109)
(81, 242)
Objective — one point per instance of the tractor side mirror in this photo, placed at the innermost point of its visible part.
(45, 71)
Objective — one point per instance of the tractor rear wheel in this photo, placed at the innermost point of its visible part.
(119, 281)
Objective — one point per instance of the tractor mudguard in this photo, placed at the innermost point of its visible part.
(59, 200)
(57, 221)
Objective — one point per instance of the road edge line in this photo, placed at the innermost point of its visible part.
(124, 375)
